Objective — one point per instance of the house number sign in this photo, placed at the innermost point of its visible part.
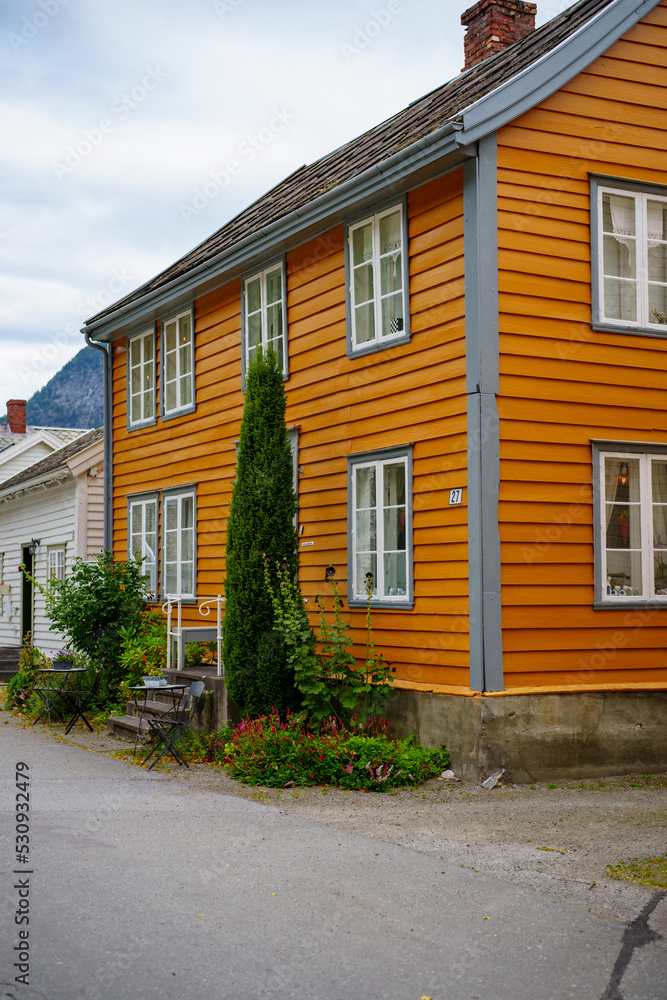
(455, 497)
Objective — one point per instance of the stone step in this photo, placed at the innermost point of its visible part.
(9, 663)
(153, 709)
(127, 727)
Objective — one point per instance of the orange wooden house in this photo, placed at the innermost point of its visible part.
(470, 301)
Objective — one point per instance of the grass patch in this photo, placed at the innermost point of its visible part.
(650, 872)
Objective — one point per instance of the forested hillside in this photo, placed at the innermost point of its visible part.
(73, 397)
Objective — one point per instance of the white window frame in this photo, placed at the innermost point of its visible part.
(148, 540)
(55, 562)
(357, 596)
(399, 336)
(184, 381)
(146, 392)
(641, 194)
(262, 276)
(645, 505)
(5, 599)
(178, 497)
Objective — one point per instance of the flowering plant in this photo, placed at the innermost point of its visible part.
(64, 654)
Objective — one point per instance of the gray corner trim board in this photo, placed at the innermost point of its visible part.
(554, 69)
(370, 184)
(482, 385)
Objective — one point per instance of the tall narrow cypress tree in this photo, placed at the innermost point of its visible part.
(261, 523)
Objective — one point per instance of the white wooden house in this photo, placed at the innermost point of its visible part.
(21, 444)
(50, 513)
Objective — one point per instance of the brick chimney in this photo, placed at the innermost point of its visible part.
(493, 25)
(16, 415)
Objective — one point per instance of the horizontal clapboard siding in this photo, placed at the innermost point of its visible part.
(410, 394)
(562, 383)
(48, 514)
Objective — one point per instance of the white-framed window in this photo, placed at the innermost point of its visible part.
(377, 280)
(56, 562)
(141, 379)
(265, 314)
(178, 543)
(178, 364)
(142, 536)
(380, 527)
(632, 525)
(629, 236)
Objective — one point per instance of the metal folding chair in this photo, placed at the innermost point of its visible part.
(169, 731)
(50, 696)
(80, 700)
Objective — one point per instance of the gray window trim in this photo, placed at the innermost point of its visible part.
(370, 213)
(165, 318)
(164, 494)
(251, 273)
(142, 498)
(635, 448)
(133, 335)
(599, 324)
(384, 454)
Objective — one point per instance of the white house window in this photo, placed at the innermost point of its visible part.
(141, 379)
(56, 563)
(264, 308)
(380, 529)
(178, 544)
(377, 280)
(632, 251)
(178, 364)
(142, 536)
(633, 528)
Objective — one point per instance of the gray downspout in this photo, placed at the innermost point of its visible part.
(108, 449)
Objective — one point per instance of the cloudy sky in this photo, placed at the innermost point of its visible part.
(116, 114)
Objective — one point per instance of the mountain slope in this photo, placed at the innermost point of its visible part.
(73, 397)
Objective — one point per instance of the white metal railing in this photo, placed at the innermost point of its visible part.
(193, 633)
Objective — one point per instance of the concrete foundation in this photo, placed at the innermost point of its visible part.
(535, 737)
(539, 736)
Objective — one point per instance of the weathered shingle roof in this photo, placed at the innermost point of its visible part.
(418, 120)
(53, 461)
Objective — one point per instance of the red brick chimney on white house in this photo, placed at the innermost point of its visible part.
(16, 415)
(493, 25)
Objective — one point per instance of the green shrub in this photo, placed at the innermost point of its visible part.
(261, 522)
(278, 754)
(21, 687)
(331, 681)
(93, 606)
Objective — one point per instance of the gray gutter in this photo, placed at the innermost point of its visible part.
(554, 69)
(57, 475)
(442, 142)
(108, 443)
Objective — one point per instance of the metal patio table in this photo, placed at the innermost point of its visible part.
(51, 695)
(141, 709)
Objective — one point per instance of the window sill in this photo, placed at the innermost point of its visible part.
(141, 425)
(360, 352)
(178, 413)
(621, 604)
(382, 605)
(643, 331)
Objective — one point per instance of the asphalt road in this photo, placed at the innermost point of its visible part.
(139, 886)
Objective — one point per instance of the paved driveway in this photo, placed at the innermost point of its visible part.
(139, 886)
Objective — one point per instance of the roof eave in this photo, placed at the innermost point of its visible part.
(436, 146)
(552, 70)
